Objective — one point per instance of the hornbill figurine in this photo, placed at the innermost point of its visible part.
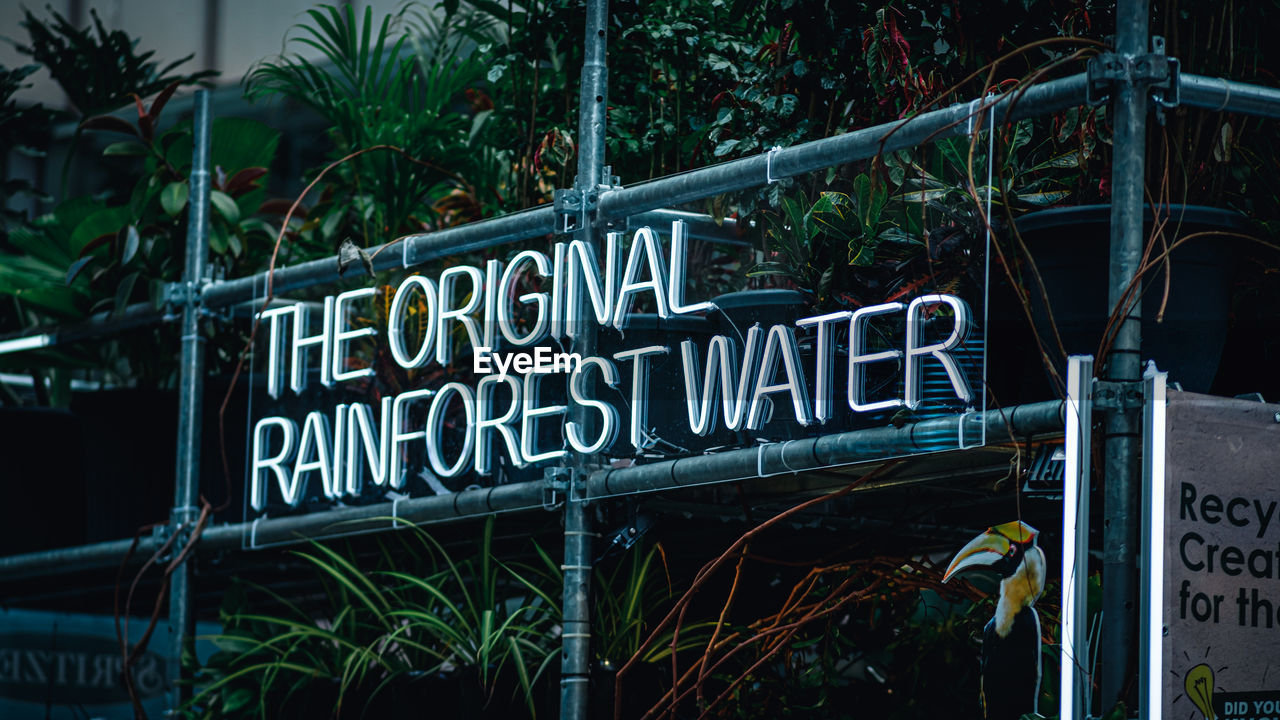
(1011, 642)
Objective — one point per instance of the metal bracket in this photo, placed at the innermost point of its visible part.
(178, 294)
(181, 522)
(573, 204)
(571, 207)
(1154, 70)
(1121, 396)
(557, 484)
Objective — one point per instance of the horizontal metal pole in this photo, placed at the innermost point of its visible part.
(821, 452)
(1213, 93)
(838, 449)
(64, 561)
(620, 203)
(815, 155)
(284, 530)
(1195, 91)
(374, 518)
(522, 225)
(95, 326)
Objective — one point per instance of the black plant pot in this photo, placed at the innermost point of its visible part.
(667, 421)
(734, 315)
(1071, 247)
(736, 312)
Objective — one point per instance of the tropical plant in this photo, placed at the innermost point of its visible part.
(102, 253)
(810, 244)
(100, 70)
(380, 630)
(396, 85)
(107, 250)
(23, 128)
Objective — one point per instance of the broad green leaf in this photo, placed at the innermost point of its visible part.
(225, 206)
(922, 196)
(77, 266)
(174, 198)
(726, 147)
(103, 222)
(131, 242)
(123, 291)
(237, 699)
(1042, 199)
(1065, 161)
(240, 143)
(218, 238)
(177, 144)
(128, 148)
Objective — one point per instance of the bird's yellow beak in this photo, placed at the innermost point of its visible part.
(990, 547)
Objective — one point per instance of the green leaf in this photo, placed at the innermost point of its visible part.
(240, 143)
(77, 266)
(178, 145)
(174, 198)
(1042, 199)
(237, 699)
(218, 238)
(103, 222)
(225, 206)
(331, 223)
(726, 147)
(123, 292)
(131, 242)
(128, 148)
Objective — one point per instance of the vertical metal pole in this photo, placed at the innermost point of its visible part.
(575, 668)
(1129, 116)
(190, 391)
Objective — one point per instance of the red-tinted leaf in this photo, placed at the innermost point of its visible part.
(162, 99)
(76, 267)
(97, 242)
(109, 123)
(244, 181)
(280, 206)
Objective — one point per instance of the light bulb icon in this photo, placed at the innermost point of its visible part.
(1199, 686)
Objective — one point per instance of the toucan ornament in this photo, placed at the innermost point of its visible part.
(1011, 641)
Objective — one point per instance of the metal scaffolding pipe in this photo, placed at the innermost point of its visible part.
(419, 249)
(96, 325)
(619, 203)
(795, 456)
(286, 530)
(1120, 523)
(575, 615)
(841, 448)
(186, 486)
(862, 144)
(1196, 91)
(81, 558)
(1212, 93)
(373, 518)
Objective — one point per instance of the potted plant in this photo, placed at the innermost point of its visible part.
(473, 636)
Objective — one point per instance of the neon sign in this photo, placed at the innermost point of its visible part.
(730, 381)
